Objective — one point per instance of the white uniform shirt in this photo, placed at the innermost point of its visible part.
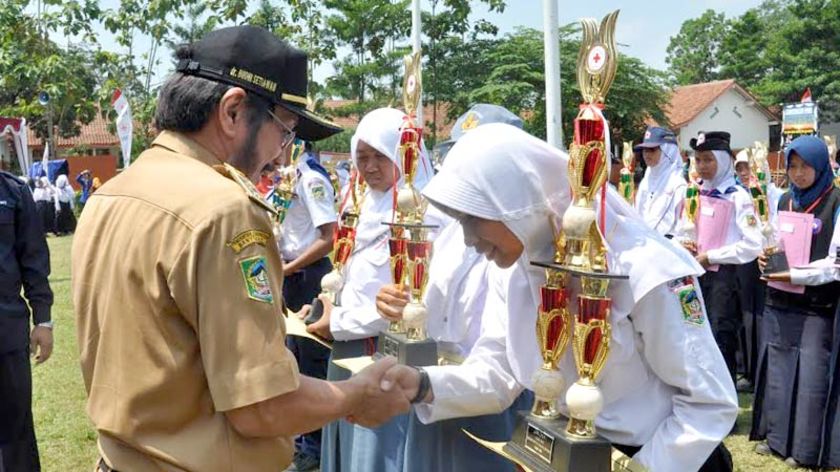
(665, 384)
(456, 292)
(743, 242)
(313, 205)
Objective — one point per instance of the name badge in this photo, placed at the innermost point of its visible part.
(707, 211)
(787, 228)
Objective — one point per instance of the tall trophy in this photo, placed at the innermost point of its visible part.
(625, 182)
(410, 248)
(691, 203)
(543, 440)
(776, 257)
(284, 189)
(831, 142)
(344, 241)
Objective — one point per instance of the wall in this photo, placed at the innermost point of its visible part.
(753, 125)
(104, 167)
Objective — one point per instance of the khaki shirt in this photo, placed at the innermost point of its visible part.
(177, 291)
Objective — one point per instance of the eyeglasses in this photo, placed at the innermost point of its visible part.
(289, 136)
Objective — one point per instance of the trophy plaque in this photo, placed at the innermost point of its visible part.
(544, 440)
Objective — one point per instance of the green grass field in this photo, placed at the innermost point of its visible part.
(67, 440)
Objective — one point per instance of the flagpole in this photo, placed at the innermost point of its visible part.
(416, 44)
(551, 40)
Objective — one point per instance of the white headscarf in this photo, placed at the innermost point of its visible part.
(659, 184)
(725, 175)
(380, 129)
(501, 173)
(64, 191)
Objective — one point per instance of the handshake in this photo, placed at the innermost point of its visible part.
(382, 391)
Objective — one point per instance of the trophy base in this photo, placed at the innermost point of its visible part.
(408, 351)
(776, 263)
(543, 446)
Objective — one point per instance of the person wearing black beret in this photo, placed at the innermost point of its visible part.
(724, 235)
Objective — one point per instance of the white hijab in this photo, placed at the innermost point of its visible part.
(659, 184)
(380, 129)
(499, 172)
(64, 191)
(725, 175)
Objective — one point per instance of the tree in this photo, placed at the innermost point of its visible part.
(372, 29)
(693, 52)
(30, 63)
(743, 50)
(510, 72)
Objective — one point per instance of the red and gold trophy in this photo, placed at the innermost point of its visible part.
(758, 185)
(284, 190)
(411, 251)
(625, 182)
(344, 241)
(543, 440)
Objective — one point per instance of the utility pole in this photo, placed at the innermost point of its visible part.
(551, 40)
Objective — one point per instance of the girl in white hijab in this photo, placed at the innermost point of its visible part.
(44, 196)
(355, 324)
(660, 195)
(65, 220)
(667, 397)
(740, 240)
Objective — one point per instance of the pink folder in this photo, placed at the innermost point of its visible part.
(713, 221)
(794, 232)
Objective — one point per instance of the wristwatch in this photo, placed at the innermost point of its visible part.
(424, 387)
(46, 324)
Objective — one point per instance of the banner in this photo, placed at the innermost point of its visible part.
(799, 119)
(125, 126)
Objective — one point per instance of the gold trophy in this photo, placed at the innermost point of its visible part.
(410, 248)
(831, 142)
(625, 182)
(758, 184)
(543, 440)
(344, 241)
(691, 204)
(284, 190)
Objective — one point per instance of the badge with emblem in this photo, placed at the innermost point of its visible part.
(318, 191)
(701, 138)
(247, 238)
(470, 122)
(690, 302)
(255, 272)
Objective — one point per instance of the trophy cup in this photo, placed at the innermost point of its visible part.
(344, 241)
(776, 257)
(625, 182)
(831, 143)
(543, 440)
(284, 190)
(691, 203)
(410, 248)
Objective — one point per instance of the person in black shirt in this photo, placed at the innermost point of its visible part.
(24, 263)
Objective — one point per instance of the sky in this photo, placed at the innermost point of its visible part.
(644, 26)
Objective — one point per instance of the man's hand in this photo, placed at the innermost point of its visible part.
(304, 310)
(691, 246)
(405, 379)
(322, 326)
(390, 302)
(41, 343)
(378, 404)
(703, 260)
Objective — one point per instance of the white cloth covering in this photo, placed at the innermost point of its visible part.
(665, 383)
(64, 192)
(661, 192)
(369, 267)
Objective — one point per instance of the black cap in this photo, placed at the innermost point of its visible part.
(258, 61)
(656, 136)
(711, 141)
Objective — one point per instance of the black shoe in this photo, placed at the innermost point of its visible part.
(763, 449)
(304, 463)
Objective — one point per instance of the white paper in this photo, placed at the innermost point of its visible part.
(707, 210)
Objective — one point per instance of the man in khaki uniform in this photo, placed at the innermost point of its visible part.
(177, 278)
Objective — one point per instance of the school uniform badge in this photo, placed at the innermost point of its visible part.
(690, 303)
(318, 191)
(257, 285)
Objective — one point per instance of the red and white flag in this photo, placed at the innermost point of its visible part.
(125, 127)
(806, 97)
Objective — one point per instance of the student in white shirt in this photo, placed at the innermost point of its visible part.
(668, 398)
(659, 199)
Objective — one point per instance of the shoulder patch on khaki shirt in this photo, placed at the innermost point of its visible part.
(255, 272)
(234, 174)
(248, 238)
